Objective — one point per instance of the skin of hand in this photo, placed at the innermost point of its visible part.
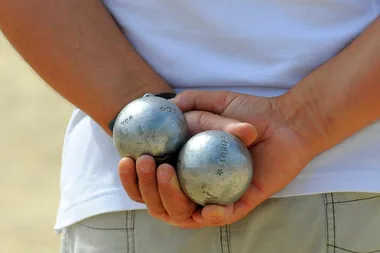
(279, 153)
(158, 187)
(271, 143)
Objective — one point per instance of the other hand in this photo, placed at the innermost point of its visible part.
(279, 153)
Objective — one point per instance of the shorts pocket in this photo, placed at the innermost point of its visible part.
(352, 222)
(110, 232)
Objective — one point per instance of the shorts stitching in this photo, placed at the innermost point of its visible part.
(221, 239)
(353, 200)
(126, 231)
(224, 239)
(66, 241)
(351, 251)
(330, 214)
(130, 231)
(326, 220)
(330, 224)
(105, 229)
(134, 219)
(229, 238)
(133, 230)
(334, 220)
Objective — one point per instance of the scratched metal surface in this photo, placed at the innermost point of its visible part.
(214, 167)
(150, 125)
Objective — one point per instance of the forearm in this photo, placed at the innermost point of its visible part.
(340, 97)
(78, 49)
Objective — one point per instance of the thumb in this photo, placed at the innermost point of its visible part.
(200, 121)
(204, 100)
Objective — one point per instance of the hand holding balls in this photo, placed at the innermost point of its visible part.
(213, 167)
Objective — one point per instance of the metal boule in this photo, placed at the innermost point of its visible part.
(150, 125)
(214, 167)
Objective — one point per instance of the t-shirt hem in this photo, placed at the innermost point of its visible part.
(320, 184)
(118, 200)
(109, 202)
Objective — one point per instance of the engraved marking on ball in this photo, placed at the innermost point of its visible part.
(223, 150)
(168, 109)
(222, 155)
(127, 120)
(210, 197)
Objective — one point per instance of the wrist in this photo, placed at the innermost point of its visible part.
(303, 114)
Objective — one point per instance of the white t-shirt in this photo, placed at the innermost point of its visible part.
(254, 47)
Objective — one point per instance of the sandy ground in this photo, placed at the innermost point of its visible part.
(33, 122)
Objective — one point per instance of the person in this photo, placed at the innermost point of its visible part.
(297, 81)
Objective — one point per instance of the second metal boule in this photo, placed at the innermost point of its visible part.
(214, 167)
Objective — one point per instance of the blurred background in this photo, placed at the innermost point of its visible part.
(33, 123)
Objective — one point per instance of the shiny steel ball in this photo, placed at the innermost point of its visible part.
(150, 125)
(214, 167)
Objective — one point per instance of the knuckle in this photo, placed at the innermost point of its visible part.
(147, 184)
(222, 100)
(182, 214)
(156, 214)
(202, 117)
(186, 93)
(249, 203)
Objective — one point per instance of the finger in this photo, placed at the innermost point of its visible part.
(214, 215)
(212, 101)
(128, 178)
(200, 121)
(146, 171)
(177, 205)
(188, 223)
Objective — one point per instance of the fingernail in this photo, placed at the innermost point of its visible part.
(164, 176)
(216, 214)
(125, 170)
(145, 168)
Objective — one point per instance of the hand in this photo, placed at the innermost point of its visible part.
(279, 153)
(158, 187)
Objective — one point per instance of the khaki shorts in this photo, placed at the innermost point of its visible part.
(326, 223)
